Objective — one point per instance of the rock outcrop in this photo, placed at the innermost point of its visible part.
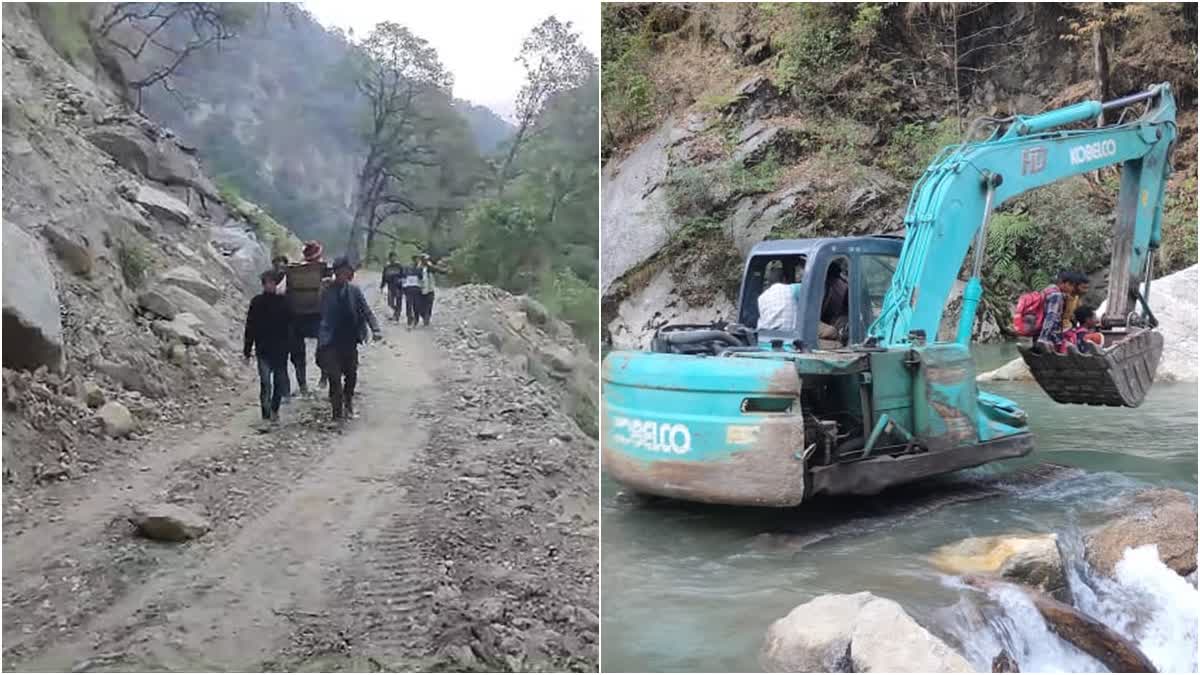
(1013, 371)
(33, 332)
(1032, 560)
(1163, 517)
(858, 633)
(143, 152)
(193, 282)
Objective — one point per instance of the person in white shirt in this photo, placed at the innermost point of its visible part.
(777, 304)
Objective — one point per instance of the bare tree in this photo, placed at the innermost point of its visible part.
(554, 62)
(147, 34)
(394, 71)
(966, 44)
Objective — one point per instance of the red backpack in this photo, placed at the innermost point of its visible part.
(1029, 313)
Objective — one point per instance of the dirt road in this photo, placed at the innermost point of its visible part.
(453, 525)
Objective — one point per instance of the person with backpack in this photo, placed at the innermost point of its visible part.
(1039, 314)
(345, 318)
(393, 277)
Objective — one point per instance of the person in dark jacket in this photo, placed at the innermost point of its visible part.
(393, 277)
(345, 317)
(268, 332)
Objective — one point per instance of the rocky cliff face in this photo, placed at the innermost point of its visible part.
(125, 274)
(731, 144)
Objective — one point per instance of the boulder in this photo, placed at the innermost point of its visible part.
(168, 522)
(814, 637)
(178, 354)
(93, 395)
(534, 310)
(1013, 371)
(33, 332)
(159, 160)
(1162, 517)
(855, 633)
(192, 281)
(117, 420)
(175, 331)
(169, 301)
(1033, 560)
(887, 640)
(248, 263)
(163, 206)
(75, 251)
(558, 358)
(137, 377)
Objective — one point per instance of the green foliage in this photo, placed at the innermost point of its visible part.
(696, 193)
(573, 300)
(913, 146)
(867, 23)
(628, 92)
(1178, 247)
(1041, 234)
(134, 261)
(65, 26)
(814, 52)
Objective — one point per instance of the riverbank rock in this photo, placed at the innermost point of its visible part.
(1013, 371)
(855, 633)
(1033, 560)
(1173, 299)
(1163, 517)
(33, 332)
(168, 522)
(887, 640)
(117, 420)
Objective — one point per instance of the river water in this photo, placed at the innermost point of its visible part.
(690, 587)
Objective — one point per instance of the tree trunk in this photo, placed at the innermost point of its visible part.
(1090, 636)
(1100, 63)
(508, 160)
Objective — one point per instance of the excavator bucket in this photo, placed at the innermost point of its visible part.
(1121, 376)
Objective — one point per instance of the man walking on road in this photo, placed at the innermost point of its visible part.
(428, 287)
(345, 318)
(268, 331)
(412, 291)
(393, 276)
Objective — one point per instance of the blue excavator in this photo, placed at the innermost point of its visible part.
(850, 401)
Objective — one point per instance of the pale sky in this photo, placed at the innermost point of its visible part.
(477, 41)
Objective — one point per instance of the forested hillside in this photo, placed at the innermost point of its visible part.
(726, 124)
(358, 141)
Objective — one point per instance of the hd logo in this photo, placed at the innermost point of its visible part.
(1093, 151)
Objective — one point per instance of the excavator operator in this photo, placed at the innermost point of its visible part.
(835, 308)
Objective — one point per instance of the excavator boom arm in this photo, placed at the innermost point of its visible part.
(948, 208)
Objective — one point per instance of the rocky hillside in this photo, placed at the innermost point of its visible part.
(125, 272)
(725, 125)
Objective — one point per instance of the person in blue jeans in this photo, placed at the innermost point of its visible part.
(268, 333)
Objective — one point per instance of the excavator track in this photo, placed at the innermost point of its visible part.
(1121, 376)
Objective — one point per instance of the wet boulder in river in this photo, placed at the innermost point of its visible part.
(859, 633)
(1033, 560)
(1163, 517)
